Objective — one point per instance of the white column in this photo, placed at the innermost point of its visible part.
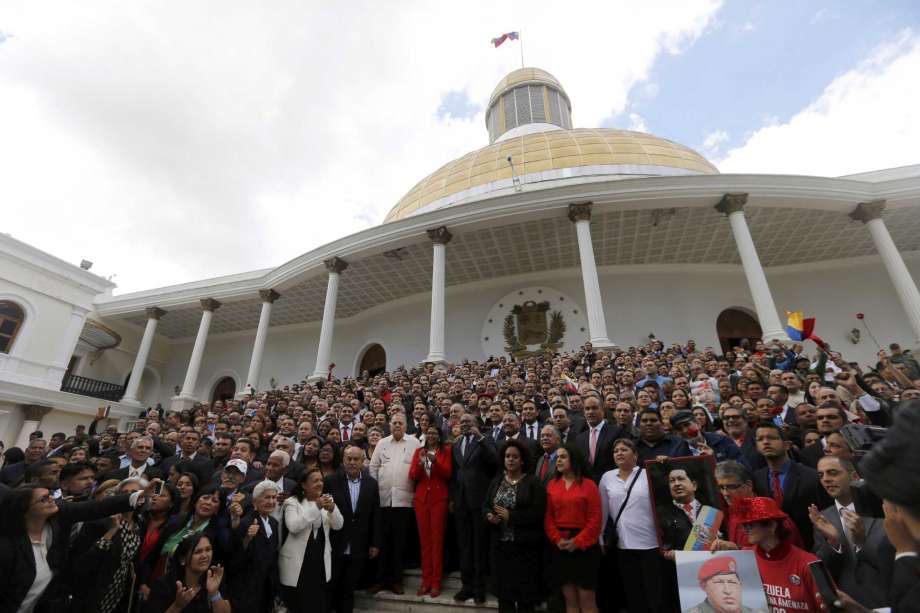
(208, 306)
(258, 347)
(439, 239)
(732, 205)
(32, 420)
(870, 213)
(335, 266)
(580, 215)
(143, 352)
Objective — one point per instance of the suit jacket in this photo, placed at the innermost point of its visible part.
(202, 466)
(286, 488)
(253, 570)
(810, 454)
(473, 473)
(150, 473)
(905, 585)
(433, 488)
(673, 525)
(525, 431)
(801, 488)
(866, 574)
(603, 456)
(550, 472)
(361, 528)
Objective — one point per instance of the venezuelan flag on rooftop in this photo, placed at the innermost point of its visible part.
(506, 36)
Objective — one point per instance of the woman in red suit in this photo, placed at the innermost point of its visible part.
(430, 469)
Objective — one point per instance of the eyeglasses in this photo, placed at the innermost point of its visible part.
(730, 487)
(727, 417)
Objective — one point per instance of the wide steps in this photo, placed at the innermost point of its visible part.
(386, 600)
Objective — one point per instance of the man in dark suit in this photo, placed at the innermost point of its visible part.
(793, 486)
(851, 545)
(596, 443)
(189, 459)
(511, 428)
(545, 466)
(676, 516)
(530, 426)
(475, 461)
(357, 497)
(138, 465)
(276, 469)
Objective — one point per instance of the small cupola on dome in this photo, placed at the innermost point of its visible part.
(527, 100)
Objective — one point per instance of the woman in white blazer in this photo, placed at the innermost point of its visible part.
(305, 561)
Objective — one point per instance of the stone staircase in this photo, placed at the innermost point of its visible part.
(410, 603)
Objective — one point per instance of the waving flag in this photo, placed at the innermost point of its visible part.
(506, 36)
(801, 329)
(568, 384)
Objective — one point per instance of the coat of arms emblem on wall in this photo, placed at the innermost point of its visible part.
(530, 324)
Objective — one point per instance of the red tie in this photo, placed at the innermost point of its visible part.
(688, 509)
(777, 490)
(345, 433)
(545, 468)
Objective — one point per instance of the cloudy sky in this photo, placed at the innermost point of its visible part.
(170, 141)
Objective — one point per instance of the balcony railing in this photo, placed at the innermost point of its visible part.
(92, 387)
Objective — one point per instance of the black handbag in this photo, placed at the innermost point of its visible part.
(611, 538)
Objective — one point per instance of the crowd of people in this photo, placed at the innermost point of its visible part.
(528, 476)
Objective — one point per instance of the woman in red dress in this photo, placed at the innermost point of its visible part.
(430, 469)
(573, 525)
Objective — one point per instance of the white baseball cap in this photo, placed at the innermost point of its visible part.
(238, 464)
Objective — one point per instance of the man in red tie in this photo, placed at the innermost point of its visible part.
(549, 443)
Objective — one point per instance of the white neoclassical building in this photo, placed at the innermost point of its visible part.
(545, 238)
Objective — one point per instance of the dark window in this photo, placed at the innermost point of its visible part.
(11, 317)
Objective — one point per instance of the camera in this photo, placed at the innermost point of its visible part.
(861, 438)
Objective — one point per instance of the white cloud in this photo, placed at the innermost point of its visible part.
(865, 119)
(175, 141)
(714, 141)
(637, 123)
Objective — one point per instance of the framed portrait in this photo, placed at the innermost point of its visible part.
(686, 502)
(719, 582)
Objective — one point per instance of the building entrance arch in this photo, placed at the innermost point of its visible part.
(374, 360)
(737, 323)
(224, 389)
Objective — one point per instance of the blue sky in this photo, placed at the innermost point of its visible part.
(757, 63)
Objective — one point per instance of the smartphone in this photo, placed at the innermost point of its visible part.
(825, 584)
(158, 488)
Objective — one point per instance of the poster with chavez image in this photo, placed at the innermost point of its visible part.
(719, 582)
(689, 510)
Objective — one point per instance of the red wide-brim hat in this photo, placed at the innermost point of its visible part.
(759, 508)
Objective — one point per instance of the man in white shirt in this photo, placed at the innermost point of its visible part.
(390, 468)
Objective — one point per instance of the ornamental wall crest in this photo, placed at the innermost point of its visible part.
(531, 328)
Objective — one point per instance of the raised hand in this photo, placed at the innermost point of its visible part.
(184, 595)
(215, 576)
(824, 526)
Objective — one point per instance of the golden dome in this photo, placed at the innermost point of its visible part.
(524, 75)
(616, 152)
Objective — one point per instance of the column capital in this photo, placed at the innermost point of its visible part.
(439, 236)
(580, 211)
(268, 295)
(155, 313)
(335, 264)
(732, 203)
(34, 412)
(867, 211)
(209, 304)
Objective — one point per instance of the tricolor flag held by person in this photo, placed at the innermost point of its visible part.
(506, 36)
(801, 329)
(705, 529)
(570, 387)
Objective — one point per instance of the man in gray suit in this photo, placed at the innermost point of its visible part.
(853, 547)
(546, 463)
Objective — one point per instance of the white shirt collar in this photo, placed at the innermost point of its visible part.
(841, 507)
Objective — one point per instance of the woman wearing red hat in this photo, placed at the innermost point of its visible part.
(783, 566)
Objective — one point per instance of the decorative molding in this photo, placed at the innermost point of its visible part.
(269, 295)
(209, 304)
(439, 235)
(580, 211)
(732, 203)
(34, 412)
(155, 313)
(867, 211)
(335, 264)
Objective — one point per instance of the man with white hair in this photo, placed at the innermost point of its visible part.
(276, 468)
(139, 463)
(256, 535)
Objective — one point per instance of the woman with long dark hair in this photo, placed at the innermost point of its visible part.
(206, 506)
(152, 521)
(193, 584)
(34, 545)
(329, 458)
(430, 469)
(305, 560)
(515, 507)
(573, 526)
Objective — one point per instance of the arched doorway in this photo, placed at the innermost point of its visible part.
(735, 324)
(374, 360)
(224, 389)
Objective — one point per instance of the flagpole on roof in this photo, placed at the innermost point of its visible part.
(521, 41)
